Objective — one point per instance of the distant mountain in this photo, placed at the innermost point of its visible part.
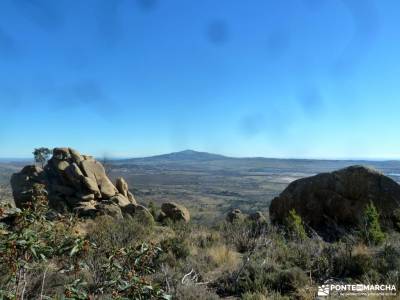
(195, 160)
(181, 156)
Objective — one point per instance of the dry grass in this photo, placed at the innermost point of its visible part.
(223, 257)
(361, 249)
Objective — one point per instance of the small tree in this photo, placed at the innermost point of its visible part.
(295, 225)
(372, 229)
(42, 155)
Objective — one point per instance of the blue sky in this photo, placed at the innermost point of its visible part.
(294, 78)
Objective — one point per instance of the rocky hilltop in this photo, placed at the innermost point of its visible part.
(330, 203)
(74, 182)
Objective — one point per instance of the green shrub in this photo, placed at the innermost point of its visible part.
(294, 225)
(258, 278)
(75, 268)
(31, 244)
(244, 235)
(351, 261)
(388, 259)
(109, 233)
(124, 273)
(371, 230)
(207, 239)
(289, 280)
(177, 246)
(359, 265)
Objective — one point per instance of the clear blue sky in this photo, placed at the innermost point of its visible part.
(290, 78)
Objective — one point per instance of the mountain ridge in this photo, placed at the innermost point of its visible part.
(193, 155)
(185, 155)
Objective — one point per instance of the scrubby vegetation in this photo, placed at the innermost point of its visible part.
(136, 258)
(372, 231)
(53, 259)
(294, 226)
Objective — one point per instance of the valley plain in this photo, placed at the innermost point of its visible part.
(210, 185)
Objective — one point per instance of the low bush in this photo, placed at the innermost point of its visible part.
(31, 244)
(42, 259)
(244, 235)
(177, 246)
(109, 233)
(194, 292)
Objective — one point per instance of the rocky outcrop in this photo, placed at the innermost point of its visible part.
(174, 212)
(74, 182)
(332, 203)
(236, 215)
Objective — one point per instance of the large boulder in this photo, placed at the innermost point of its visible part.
(122, 186)
(122, 200)
(95, 171)
(74, 182)
(174, 212)
(332, 203)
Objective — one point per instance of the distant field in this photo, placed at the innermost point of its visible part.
(210, 185)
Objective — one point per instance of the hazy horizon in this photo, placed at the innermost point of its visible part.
(26, 158)
(282, 79)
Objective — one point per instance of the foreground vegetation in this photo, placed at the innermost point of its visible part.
(46, 256)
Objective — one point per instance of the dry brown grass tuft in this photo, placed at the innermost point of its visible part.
(223, 257)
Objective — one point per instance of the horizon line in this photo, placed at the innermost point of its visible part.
(372, 159)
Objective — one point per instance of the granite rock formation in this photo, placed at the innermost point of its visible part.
(77, 183)
(332, 203)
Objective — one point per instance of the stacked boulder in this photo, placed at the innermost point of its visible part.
(77, 183)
